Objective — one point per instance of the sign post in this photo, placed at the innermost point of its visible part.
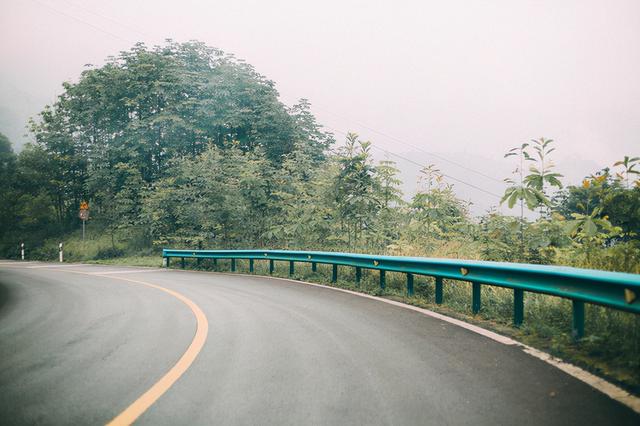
(84, 215)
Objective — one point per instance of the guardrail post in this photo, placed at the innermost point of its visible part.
(291, 268)
(251, 265)
(233, 265)
(383, 280)
(314, 267)
(167, 259)
(409, 285)
(182, 262)
(358, 275)
(198, 261)
(577, 329)
(475, 302)
(215, 261)
(271, 266)
(518, 307)
(334, 273)
(439, 290)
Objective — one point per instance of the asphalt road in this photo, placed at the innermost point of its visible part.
(79, 344)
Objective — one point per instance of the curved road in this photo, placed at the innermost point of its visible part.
(80, 343)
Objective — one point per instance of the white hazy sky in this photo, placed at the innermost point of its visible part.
(464, 79)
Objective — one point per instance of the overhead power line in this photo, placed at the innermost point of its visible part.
(95, 27)
(107, 18)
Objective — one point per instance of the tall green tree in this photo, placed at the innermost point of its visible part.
(541, 172)
(520, 190)
(629, 167)
(8, 193)
(356, 189)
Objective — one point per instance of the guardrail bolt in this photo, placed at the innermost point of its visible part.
(475, 302)
(439, 290)
(410, 285)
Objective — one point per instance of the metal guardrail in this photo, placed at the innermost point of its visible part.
(615, 290)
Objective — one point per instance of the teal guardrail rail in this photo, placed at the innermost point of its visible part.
(615, 290)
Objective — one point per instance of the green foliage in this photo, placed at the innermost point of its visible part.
(435, 208)
(8, 193)
(629, 166)
(530, 189)
(356, 189)
(542, 173)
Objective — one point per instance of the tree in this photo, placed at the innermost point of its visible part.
(356, 186)
(435, 206)
(8, 193)
(520, 190)
(149, 107)
(629, 165)
(542, 173)
(309, 135)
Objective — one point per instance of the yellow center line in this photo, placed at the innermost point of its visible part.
(147, 399)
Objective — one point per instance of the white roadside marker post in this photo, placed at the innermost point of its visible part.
(60, 247)
(22, 251)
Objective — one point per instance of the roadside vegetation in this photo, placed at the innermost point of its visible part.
(184, 146)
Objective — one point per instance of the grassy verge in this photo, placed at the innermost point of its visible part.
(152, 261)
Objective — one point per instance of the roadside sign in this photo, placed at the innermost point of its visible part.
(84, 210)
(84, 215)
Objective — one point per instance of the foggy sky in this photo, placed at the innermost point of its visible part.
(465, 79)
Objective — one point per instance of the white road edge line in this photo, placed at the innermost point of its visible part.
(612, 391)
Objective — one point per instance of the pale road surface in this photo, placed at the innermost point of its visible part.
(77, 347)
